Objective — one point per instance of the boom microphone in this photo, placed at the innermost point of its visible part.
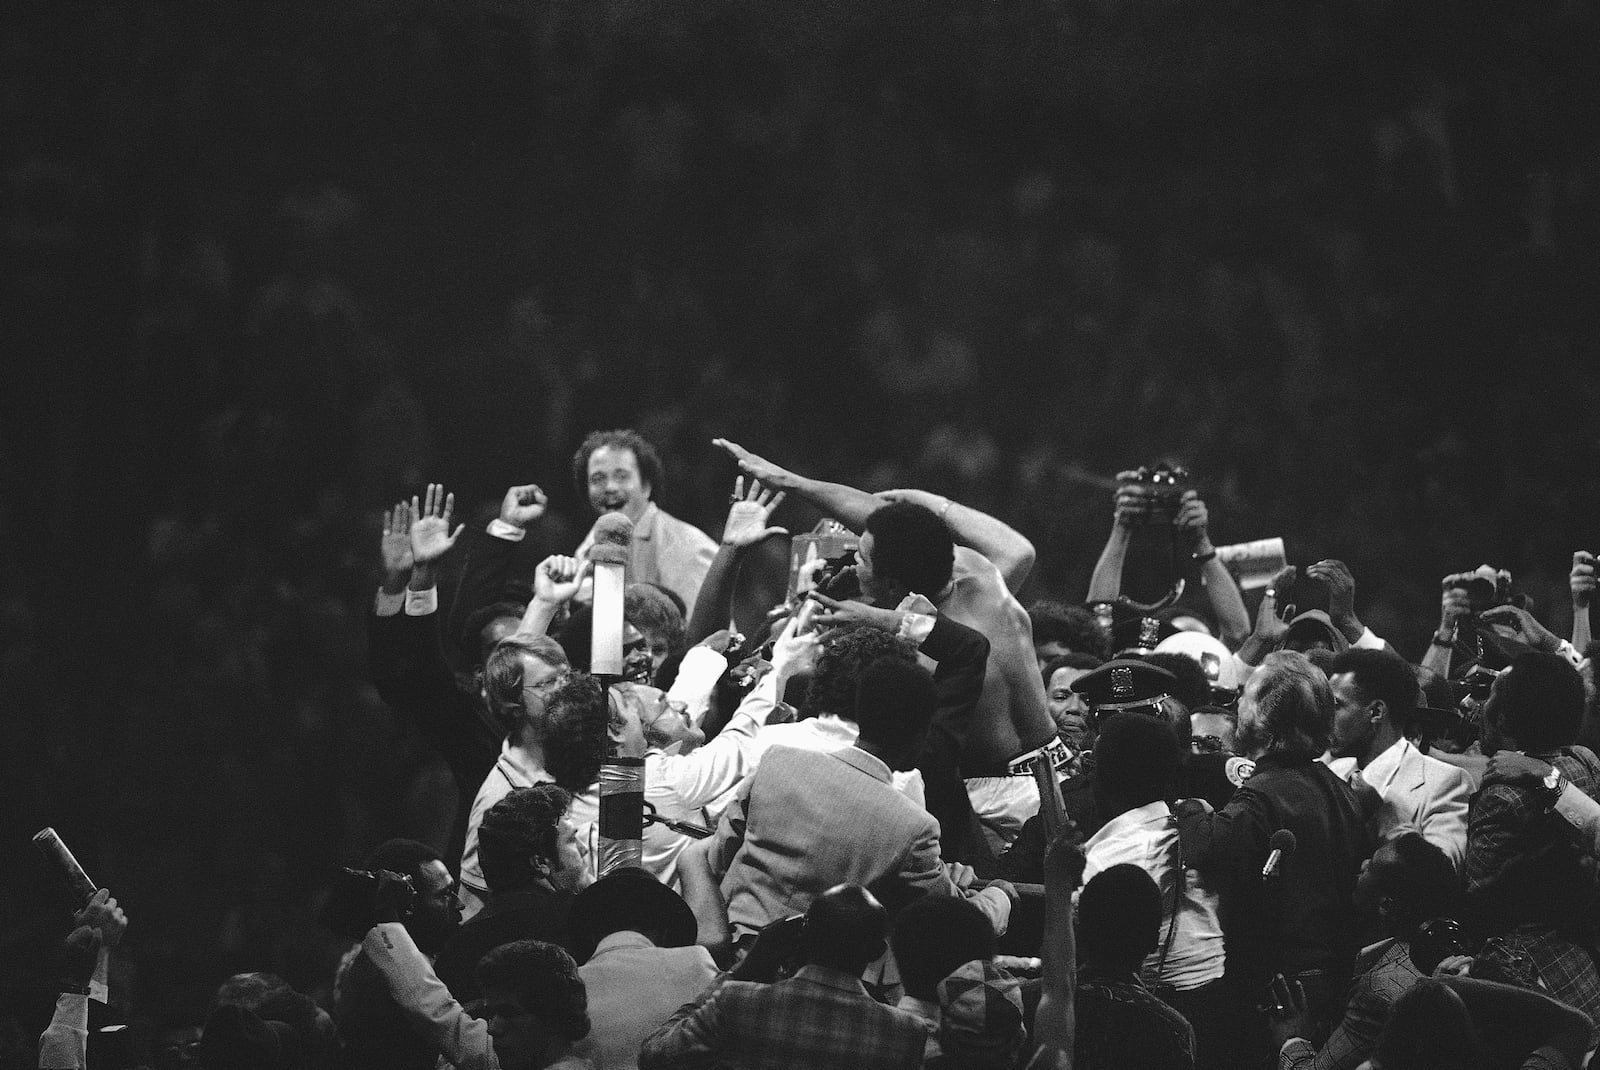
(1283, 845)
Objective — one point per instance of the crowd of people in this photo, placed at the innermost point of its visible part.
(853, 804)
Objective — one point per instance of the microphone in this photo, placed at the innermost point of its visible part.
(613, 543)
(1283, 845)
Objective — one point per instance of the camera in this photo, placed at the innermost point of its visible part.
(354, 903)
(1164, 485)
(837, 578)
(1437, 939)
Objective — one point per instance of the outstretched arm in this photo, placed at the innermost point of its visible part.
(1055, 1022)
(1129, 507)
(1193, 527)
(1006, 547)
(849, 506)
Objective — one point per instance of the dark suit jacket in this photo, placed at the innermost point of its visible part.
(1304, 917)
(408, 667)
(962, 654)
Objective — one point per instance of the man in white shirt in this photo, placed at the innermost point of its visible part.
(1376, 695)
(1137, 762)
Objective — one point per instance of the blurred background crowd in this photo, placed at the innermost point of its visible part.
(271, 266)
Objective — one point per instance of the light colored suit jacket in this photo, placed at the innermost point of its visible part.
(666, 551)
(1422, 794)
(634, 987)
(806, 821)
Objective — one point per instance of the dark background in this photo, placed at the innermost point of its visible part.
(269, 266)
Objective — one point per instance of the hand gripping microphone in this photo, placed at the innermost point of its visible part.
(1283, 845)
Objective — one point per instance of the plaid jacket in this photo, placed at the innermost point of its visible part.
(1371, 997)
(819, 1019)
(1522, 866)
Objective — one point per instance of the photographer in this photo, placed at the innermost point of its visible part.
(392, 1009)
(1157, 497)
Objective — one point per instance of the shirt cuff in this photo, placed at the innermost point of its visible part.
(915, 627)
(698, 674)
(1294, 1051)
(388, 605)
(1573, 655)
(1368, 641)
(509, 532)
(421, 603)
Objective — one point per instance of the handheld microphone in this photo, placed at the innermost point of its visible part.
(613, 542)
(1283, 845)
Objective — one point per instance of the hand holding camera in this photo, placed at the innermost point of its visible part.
(1152, 494)
(1582, 580)
(363, 898)
(1522, 625)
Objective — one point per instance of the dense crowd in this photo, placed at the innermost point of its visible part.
(269, 269)
(854, 805)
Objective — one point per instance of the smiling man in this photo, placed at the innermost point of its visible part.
(620, 472)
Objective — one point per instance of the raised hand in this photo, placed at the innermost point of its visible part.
(1524, 625)
(431, 537)
(1192, 518)
(1341, 584)
(1454, 606)
(762, 469)
(523, 505)
(557, 578)
(396, 543)
(1582, 581)
(102, 914)
(1270, 626)
(1064, 861)
(748, 514)
(1131, 503)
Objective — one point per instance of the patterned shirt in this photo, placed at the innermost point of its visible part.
(1371, 997)
(1121, 1024)
(819, 1019)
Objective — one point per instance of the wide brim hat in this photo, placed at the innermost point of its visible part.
(629, 899)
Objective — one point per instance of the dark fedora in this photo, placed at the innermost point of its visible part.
(629, 899)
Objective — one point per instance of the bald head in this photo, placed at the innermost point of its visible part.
(845, 928)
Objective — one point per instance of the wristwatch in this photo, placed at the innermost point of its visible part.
(1553, 783)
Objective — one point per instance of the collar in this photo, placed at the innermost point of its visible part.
(622, 938)
(515, 767)
(832, 727)
(1156, 813)
(646, 527)
(869, 764)
(829, 977)
(1382, 770)
(927, 1010)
